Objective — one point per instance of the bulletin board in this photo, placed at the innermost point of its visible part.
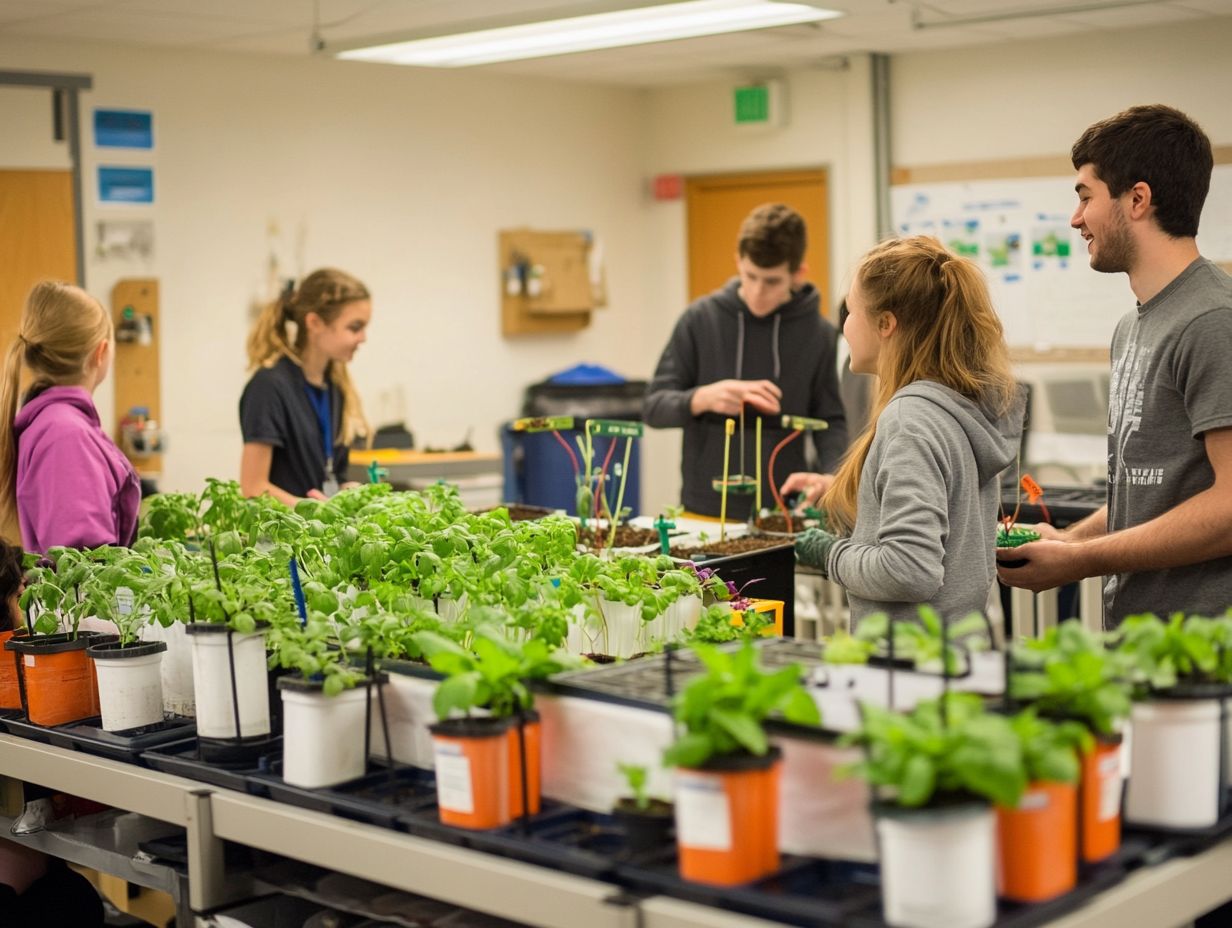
(1017, 228)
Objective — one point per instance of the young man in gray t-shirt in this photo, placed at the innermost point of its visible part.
(1164, 539)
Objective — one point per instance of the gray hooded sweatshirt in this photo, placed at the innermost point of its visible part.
(927, 506)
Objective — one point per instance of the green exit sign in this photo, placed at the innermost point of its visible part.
(752, 105)
(758, 104)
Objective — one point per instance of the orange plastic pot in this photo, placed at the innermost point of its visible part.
(472, 772)
(1038, 843)
(1100, 799)
(727, 819)
(10, 686)
(531, 736)
(58, 678)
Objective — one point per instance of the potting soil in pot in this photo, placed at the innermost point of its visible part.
(729, 546)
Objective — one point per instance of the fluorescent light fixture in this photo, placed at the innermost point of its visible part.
(662, 23)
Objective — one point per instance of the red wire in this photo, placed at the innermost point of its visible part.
(774, 486)
(607, 459)
(577, 469)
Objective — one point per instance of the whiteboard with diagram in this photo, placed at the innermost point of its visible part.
(1018, 231)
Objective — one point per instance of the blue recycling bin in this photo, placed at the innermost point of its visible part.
(538, 471)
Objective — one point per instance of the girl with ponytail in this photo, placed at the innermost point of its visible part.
(63, 482)
(916, 496)
(300, 412)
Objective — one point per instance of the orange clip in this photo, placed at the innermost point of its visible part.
(1034, 491)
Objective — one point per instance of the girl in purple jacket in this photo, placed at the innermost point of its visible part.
(61, 477)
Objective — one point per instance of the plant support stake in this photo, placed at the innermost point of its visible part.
(729, 427)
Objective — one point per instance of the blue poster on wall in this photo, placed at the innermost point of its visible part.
(123, 128)
(125, 185)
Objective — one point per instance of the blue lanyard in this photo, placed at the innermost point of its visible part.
(319, 398)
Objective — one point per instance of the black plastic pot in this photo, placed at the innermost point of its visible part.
(774, 569)
(646, 829)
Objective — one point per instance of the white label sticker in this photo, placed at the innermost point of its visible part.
(1109, 787)
(453, 779)
(1033, 801)
(703, 819)
(29, 660)
(124, 600)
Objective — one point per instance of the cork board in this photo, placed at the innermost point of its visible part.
(566, 300)
(136, 367)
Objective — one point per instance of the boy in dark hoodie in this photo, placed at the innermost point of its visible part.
(758, 343)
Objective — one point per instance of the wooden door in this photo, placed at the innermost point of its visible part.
(37, 238)
(716, 205)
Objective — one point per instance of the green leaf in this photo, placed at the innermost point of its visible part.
(689, 750)
(744, 729)
(456, 693)
(919, 778)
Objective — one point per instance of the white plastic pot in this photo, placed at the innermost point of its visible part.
(408, 708)
(130, 689)
(212, 682)
(1175, 780)
(322, 736)
(938, 866)
(680, 615)
(587, 634)
(624, 627)
(177, 668)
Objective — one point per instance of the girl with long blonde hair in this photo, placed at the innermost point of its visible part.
(62, 479)
(300, 412)
(916, 496)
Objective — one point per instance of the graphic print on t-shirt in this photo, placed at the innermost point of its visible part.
(1125, 411)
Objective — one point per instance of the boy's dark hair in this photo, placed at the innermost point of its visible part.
(771, 235)
(1160, 146)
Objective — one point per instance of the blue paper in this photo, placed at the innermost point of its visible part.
(125, 185)
(123, 128)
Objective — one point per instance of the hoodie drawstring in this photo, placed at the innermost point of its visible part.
(774, 347)
(777, 320)
(739, 345)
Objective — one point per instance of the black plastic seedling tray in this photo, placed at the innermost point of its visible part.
(1184, 842)
(88, 736)
(644, 682)
(805, 891)
(380, 797)
(183, 759)
(773, 569)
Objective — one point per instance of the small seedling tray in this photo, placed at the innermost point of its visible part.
(805, 891)
(184, 760)
(377, 798)
(88, 736)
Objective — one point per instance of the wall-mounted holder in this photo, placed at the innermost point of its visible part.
(545, 282)
(138, 387)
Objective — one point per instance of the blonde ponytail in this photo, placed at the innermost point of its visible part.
(947, 332)
(324, 292)
(61, 327)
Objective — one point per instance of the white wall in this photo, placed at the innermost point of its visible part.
(401, 177)
(1034, 98)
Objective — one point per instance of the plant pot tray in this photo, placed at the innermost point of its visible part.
(1092, 881)
(577, 841)
(1183, 842)
(805, 891)
(183, 759)
(87, 736)
(643, 683)
(424, 821)
(378, 798)
(774, 569)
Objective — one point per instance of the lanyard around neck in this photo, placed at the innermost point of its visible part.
(320, 400)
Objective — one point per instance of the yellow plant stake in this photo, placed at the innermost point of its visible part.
(757, 506)
(729, 429)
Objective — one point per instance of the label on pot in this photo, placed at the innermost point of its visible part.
(703, 818)
(453, 779)
(29, 658)
(1033, 801)
(1109, 786)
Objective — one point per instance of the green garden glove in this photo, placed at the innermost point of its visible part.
(813, 549)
